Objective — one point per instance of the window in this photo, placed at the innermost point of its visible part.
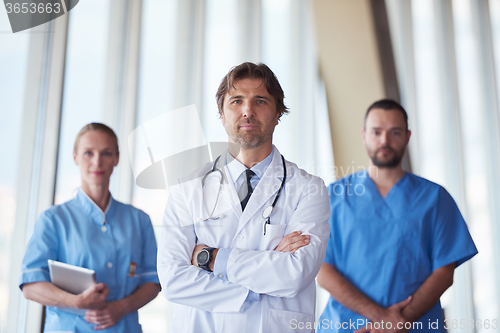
(448, 77)
(13, 66)
(85, 77)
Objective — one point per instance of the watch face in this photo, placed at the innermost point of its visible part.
(202, 256)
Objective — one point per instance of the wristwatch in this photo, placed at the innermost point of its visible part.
(204, 258)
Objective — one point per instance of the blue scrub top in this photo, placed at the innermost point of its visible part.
(79, 233)
(387, 247)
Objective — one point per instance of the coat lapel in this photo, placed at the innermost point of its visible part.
(228, 191)
(266, 189)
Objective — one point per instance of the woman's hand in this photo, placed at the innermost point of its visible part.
(107, 316)
(93, 297)
(114, 311)
(48, 294)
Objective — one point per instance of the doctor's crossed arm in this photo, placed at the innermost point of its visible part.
(298, 254)
(290, 243)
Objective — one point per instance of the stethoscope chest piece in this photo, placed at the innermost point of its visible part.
(267, 212)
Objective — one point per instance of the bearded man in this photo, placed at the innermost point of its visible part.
(395, 239)
(245, 238)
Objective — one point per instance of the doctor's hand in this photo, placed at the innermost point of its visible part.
(292, 242)
(390, 320)
(93, 297)
(197, 249)
(106, 317)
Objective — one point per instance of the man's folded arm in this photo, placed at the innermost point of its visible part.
(344, 292)
(182, 282)
(428, 294)
(285, 274)
(408, 310)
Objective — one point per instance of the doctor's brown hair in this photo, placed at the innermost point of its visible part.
(387, 104)
(96, 127)
(249, 70)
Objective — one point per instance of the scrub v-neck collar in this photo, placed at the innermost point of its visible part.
(95, 213)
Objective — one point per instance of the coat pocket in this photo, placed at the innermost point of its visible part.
(288, 321)
(274, 235)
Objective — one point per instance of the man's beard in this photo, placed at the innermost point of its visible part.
(391, 163)
(250, 140)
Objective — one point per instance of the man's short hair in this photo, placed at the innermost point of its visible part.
(388, 104)
(249, 70)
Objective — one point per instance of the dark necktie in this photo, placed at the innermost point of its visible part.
(249, 174)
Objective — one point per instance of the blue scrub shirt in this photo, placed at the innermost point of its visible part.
(79, 233)
(387, 247)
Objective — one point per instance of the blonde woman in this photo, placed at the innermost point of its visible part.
(97, 232)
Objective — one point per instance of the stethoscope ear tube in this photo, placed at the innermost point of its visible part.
(214, 169)
(269, 209)
(266, 213)
(282, 183)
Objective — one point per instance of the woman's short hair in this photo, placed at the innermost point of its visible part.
(96, 127)
(249, 70)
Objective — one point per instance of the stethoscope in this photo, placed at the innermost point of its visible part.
(266, 213)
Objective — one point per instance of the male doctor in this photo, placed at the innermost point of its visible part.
(396, 239)
(229, 261)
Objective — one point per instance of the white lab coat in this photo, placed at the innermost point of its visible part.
(285, 281)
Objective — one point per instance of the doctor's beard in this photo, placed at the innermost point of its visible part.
(250, 139)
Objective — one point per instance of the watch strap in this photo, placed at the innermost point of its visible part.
(205, 266)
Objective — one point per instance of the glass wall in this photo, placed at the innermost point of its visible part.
(472, 114)
(222, 25)
(156, 84)
(13, 65)
(85, 78)
(454, 87)
(155, 97)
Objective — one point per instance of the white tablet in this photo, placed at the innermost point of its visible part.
(70, 278)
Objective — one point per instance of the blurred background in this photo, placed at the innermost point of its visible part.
(124, 62)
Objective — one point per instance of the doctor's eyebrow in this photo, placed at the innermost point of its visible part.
(390, 129)
(103, 149)
(257, 97)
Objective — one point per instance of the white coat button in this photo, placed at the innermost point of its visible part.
(240, 237)
(104, 228)
(221, 275)
(110, 264)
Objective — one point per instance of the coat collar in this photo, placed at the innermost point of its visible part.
(236, 170)
(266, 189)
